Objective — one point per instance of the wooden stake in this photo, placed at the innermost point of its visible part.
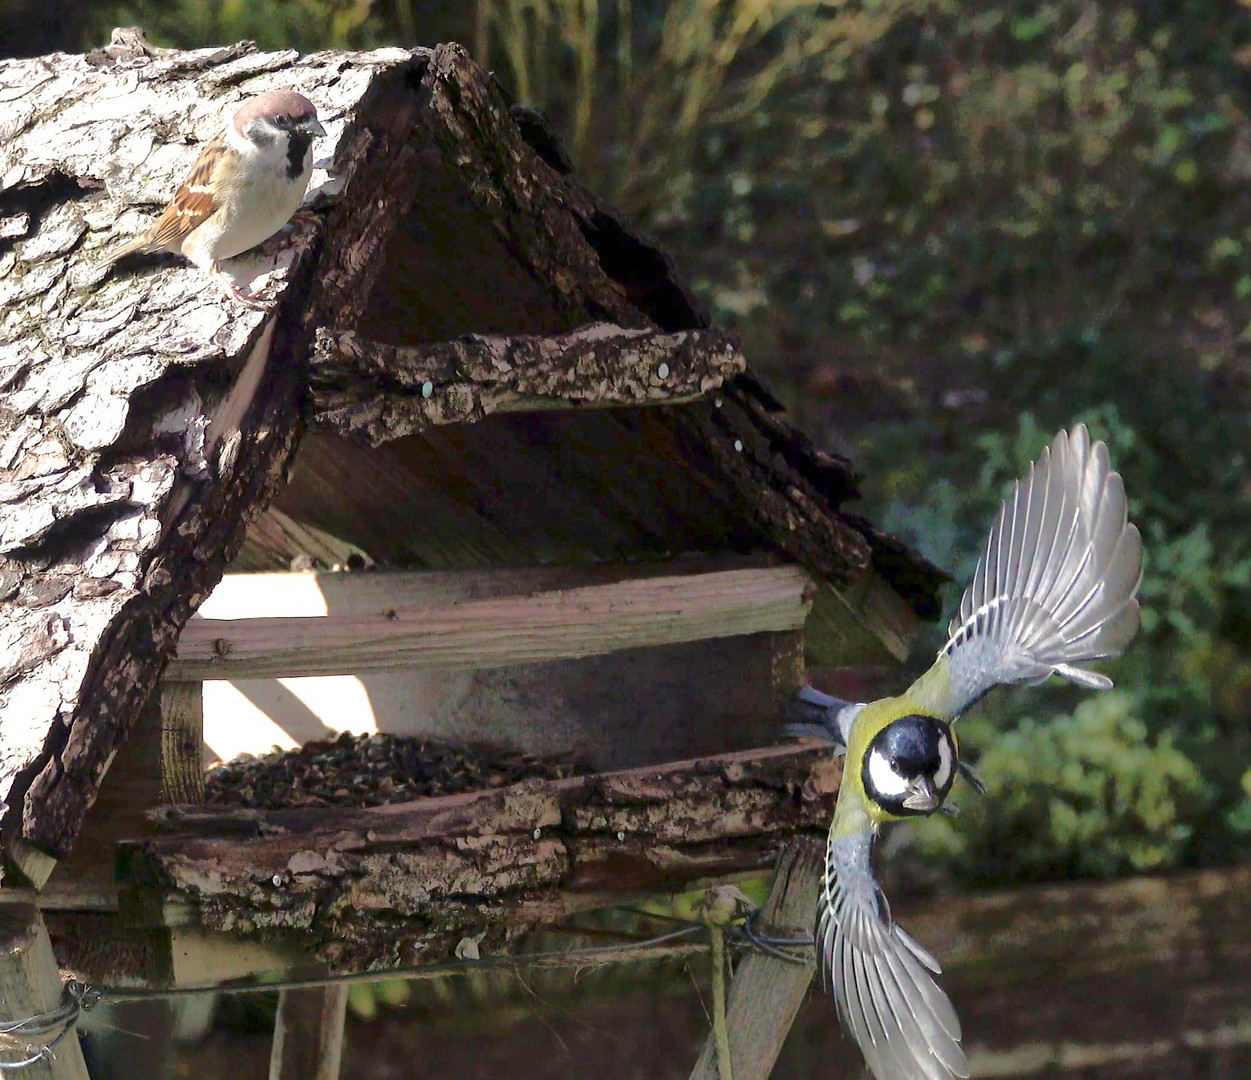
(30, 984)
(308, 1034)
(182, 742)
(767, 992)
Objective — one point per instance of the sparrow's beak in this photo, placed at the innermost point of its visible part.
(921, 796)
(313, 127)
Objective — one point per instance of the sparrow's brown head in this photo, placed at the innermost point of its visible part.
(278, 110)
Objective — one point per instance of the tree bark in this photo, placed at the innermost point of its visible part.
(406, 884)
(381, 392)
(144, 417)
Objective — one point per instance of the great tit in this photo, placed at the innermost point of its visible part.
(1055, 587)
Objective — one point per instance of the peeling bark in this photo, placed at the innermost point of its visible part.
(404, 884)
(383, 392)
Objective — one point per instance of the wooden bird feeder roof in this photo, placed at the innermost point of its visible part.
(473, 371)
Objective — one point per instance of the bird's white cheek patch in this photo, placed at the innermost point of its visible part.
(946, 759)
(884, 779)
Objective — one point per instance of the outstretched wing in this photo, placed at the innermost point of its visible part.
(881, 979)
(1055, 585)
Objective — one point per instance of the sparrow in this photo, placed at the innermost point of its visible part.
(1055, 587)
(244, 187)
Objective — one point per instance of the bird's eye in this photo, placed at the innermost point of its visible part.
(894, 763)
(281, 119)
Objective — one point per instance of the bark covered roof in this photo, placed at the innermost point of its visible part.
(462, 340)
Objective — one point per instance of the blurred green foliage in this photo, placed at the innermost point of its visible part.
(946, 230)
(1092, 793)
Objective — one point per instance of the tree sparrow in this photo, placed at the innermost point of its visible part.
(243, 188)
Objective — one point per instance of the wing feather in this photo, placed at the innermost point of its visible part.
(192, 205)
(1057, 581)
(881, 979)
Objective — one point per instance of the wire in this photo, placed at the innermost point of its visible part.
(63, 1019)
(128, 993)
(773, 946)
(80, 996)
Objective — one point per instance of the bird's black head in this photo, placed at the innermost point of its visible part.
(909, 766)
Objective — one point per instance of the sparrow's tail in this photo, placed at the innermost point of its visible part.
(1056, 582)
(143, 242)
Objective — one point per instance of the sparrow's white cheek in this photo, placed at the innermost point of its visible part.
(884, 779)
(946, 760)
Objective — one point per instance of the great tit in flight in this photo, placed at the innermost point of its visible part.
(1055, 587)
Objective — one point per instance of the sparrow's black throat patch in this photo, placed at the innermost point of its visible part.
(298, 143)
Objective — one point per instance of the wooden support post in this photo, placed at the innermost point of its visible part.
(30, 984)
(182, 742)
(308, 1034)
(767, 992)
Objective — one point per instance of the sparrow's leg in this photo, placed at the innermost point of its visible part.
(233, 291)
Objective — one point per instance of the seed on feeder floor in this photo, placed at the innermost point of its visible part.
(370, 770)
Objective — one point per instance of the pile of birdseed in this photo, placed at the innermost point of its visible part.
(371, 770)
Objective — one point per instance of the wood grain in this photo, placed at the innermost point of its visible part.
(498, 632)
(308, 1034)
(766, 993)
(30, 984)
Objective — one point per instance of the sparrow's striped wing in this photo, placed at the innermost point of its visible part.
(193, 202)
(1055, 586)
(881, 979)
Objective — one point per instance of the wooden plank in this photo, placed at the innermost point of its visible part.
(704, 697)
(308, 1034)
(767, 992)
(286, 594)
(182, 742)
(863, 623)
(30, 985)
(497, 632)
(30, 866)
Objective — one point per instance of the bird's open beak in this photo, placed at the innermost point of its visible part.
(313, 127)
(921, 796)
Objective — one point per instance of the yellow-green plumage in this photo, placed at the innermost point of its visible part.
(1055, 587)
